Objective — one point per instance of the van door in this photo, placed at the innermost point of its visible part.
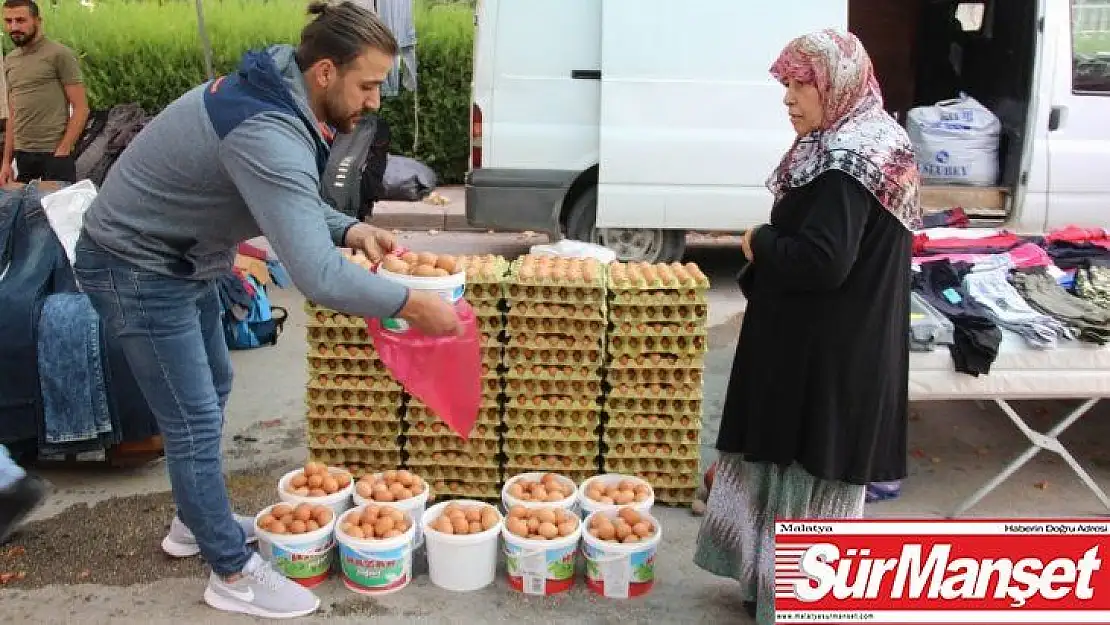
(1078, 130)
(691, 121)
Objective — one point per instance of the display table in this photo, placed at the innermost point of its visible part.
(1073, 370)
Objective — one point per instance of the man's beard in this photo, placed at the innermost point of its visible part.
(24, 38)
(338, 118)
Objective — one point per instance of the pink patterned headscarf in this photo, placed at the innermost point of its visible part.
(857, 136)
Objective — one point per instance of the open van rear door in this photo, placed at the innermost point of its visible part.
(691, 121)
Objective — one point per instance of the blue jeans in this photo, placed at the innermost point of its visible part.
(169, 330)
(10, 472)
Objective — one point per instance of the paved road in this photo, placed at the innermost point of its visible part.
(92, 556)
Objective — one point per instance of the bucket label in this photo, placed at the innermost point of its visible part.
(305, 561)
(541, 572)
(375, 570)
(620, 575)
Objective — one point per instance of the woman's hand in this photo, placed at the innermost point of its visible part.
(746, 243)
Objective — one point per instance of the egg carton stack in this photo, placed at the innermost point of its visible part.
(656, 353)
(470, 468)
(554, 360)
(353, 403)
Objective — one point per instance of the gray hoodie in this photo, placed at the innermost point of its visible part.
(230, 160)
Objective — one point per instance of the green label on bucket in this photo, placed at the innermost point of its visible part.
(304, 561)
(395, 325)
(619, 575)
(556, 564)
(375, 570)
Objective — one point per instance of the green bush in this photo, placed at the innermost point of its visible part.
(150, 53)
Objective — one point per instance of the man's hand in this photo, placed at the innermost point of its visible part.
(63, 151)
(374, 242)
(431, 314)
(6, 175)
(746, 243)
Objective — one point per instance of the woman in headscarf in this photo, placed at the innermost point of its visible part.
(817, 400)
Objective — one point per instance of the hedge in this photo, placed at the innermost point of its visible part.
(150, 53)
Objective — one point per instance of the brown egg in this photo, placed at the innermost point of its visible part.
(281, 510)
(383, 525)
(298, 480)
(548, 530)
(394, 514)
(312, 526)
(474, 514)
(298, 527)
(277, 527)
(475, 527)
(322, 516)
(402, 526)
(518, 512)
(330, 485)
(566, 528)
(516, 490)
(410, 257)
(427, 258)
(364, 490)
(607, 531)
(546, 515)
(393, 264)
(354, 531)
(303, 512)
(443, 525)
(266, 521)
(424, 271)
(314, 468)
(393, 533)
(533, 525)
(623, 530)
(344, 480)
(315, 480)
(461, 525)
(629, 515)
(370, 514)
(405, 478)
(317, 492)
(517, 526)
(643, 529)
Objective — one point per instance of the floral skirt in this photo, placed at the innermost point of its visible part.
(737, 537)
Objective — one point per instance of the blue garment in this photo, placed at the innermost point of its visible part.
(33, 265)
(397, 15)
(71, 372)
(169, 330)
(10, 472)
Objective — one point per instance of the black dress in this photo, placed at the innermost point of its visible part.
(821, 372)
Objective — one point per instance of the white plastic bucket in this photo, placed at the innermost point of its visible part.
(570, 503)
(375, 567)
(450, 288)
(340, 502)
(413, 506)
(620, 570)
(304, 558)
(461, 563)
(589, 505)
(541, 567)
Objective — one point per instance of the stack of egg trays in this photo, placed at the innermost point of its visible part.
(554, 360)
(353, 403)
(467, 468)
(656, 355)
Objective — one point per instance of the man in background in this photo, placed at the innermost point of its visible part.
(47, 105)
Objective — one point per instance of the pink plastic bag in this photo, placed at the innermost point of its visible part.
(444, 372)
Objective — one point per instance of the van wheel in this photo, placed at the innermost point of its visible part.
(648, 245)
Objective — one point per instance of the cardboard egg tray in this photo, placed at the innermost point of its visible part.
(526, 371)
(652, 406)
(645, 346)
(326, 318)
(567, 465)
(528, 418)
(686, 390)
(332, 457)
(484, 268)
(374, 442)
(591, 328)
(484, 431)
(378, 414)
(540, 387)
(359, 427)
(336, 335)
(636, 376)
(663, 466)
(574, 448)
(523, 430)
(331, 381)
(665, 480)
(676, 496)
(583, 311)
(657, 328)
(359, 470)
(572, 274)
(516, 292)
(565, 340)
(470, 475)
(658, 313)
(322, 350)
(485, 295)
(657, 361)
(493, 324)
(489, 414)
(347, 366)
(426, 446)
(651, 436)
(549, 356)
(674, 451)
(552, 402)
(336, 397)
(625, 420)
(640, 284)
(461, 489)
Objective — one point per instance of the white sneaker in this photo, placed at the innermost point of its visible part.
(261, 591)
(180, 542)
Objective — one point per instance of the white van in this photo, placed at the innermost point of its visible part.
(632, 122)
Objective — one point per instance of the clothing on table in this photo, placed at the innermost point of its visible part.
(72, 374)
(1023, 256)
(170, 332)
(1069, 255)
(10, 472)
(1076, 234)
(929, 329)
(928, 243)
(1043, 293)
(977, 337)
(1093, 284)
(737, 536)
(952, 218)
(1009, 310)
